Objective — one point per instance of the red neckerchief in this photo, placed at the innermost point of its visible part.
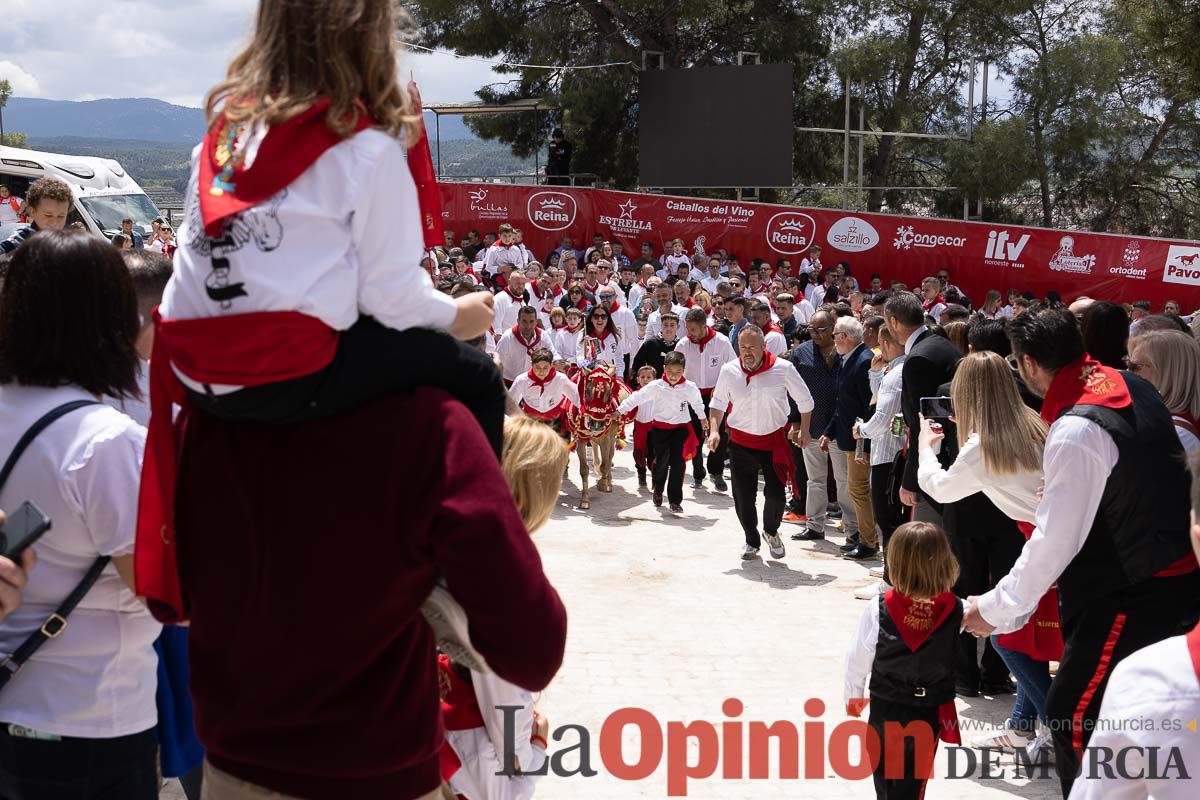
(582, 304)
(771, 326)
(1085, 382)
(930, 304)
(287, 150)
(767, 362)
(1193, 643)
(708, 336)
(530, 346)
(689, 303)
(916, 619)
(592, 289)
(541, 383)
(508, 290)
(667, 381)
(602, 335)
(613, 308)
(537, 293)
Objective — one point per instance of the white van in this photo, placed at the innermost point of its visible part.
(104, 192)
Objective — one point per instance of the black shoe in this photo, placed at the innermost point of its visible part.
(808, 535)
(657, 499)
(719, 484)
(861, 552)
(1002, 686)
(642, 479)
(833, 511)
(676, 508)
(965, 689)
(851, 543)
(697, 481)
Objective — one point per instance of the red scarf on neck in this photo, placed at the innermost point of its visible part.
(540, 296)
(928, 305)
(612, 310)
(1085, 382)
(689, 303)
(915, 620)
(767, 362)
(530, 346)
(602, 335)
(284, 154)
(771, 326)
(541, 383)
(709, 335)
(508, 290)
(592, 288)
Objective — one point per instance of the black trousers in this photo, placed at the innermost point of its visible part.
(907, 786)
(1097, 639)
(799, 484)
(373, 360)
(125, 768)
(716, 458)
(987, 544)
(744, 467)
(667, 447)
(889, 514)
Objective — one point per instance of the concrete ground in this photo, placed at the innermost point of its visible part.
(666, 617)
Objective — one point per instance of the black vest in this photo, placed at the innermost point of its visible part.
(924, 678)
(1142, 523)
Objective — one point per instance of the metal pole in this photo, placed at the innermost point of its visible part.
(437, 124)
(970, 128)
(846, 151)
(862, 103)
(982, 119)
(537, 151)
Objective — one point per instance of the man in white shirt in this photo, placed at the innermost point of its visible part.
(665, 299)
(674, 399)
(713, 277)
(698, 272)
(1112, 526)
(623, 318)
(707, 351)
(760, 315)
(508, 301)
(517, 344)
(759, 386)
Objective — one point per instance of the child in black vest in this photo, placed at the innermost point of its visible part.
(906, 641)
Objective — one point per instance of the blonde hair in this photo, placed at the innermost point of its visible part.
(557, 314)
(956, 332)
(703, 299)
(1174, 359)
(533, 460)
(986, 402)
(920, 561)
(302, 51)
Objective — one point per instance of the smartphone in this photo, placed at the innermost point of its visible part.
(22, 528)
(937, 408)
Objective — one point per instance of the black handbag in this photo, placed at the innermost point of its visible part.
(56, 623)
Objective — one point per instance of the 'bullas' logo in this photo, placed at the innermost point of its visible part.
(790, 233)
(852, 235)
(551, 211)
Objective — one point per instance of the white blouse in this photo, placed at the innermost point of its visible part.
(1015, 495)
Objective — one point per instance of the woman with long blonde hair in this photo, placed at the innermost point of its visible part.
(1171, 362)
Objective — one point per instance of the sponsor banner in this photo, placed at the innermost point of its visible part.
(980, 256)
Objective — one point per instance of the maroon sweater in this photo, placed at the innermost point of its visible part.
(306, 551)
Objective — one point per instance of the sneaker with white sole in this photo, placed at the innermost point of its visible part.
(749, 552)
(871, 591)
(776, 545)
(1041, 749)
(449, 623)
(1006, 740)
(876, 572)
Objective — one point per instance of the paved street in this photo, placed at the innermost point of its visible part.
(665, 616)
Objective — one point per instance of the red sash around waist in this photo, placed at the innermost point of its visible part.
(777, 443)
(253, 349)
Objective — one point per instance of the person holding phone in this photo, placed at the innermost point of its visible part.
(12, 579)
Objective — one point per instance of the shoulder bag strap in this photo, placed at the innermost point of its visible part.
(56, 623)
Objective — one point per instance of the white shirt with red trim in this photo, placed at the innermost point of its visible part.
(9, 207)
(515, 354)
(504, 311)
(776, 342)
(1151, 700)
(668, 404)
(342, 241)
(609, 350)
(703, 367)
(543, 398)
(498, 254)
(760, 405)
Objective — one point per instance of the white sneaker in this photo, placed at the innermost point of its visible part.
(872, 591)
(449, 623)
(876, 572)
(1041, 749)
(776, 545)
(749, 552)
(1006, 740)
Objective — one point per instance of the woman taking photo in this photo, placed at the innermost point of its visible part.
(1000, 443)
(1171, 362)
(77, 720)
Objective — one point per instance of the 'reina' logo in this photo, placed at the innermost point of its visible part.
(790, 233)
(551, 211)
(853, 235)
(1183, 265)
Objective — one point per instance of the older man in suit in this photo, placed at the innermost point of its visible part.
(853, 403)
(930, 363)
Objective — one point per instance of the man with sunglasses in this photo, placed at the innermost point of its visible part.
(818, 362)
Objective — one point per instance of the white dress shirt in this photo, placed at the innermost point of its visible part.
(878, 428)
(776, 342)
(1078, 459)
(343, 240)
(1152, 696)
(760, 405)
(543, 398)
(911, 341)
(936, 312)
(505, 310)
(636, 293)
(515, 354)
(498, 255)
(803, 310)
(709, 284)
(1015, 495)
(703, 368)
(97, 679)
(654, 321)
(565, 341)
(815, 294)
(627, 326)
(611, 350)
(669, 403)
(671, 264)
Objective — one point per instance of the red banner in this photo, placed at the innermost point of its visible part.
(979, 255)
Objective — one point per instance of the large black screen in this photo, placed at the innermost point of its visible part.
(716, 126)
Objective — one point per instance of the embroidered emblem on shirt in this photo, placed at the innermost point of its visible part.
(1095, 381)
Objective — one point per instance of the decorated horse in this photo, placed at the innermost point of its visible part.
(596, 424)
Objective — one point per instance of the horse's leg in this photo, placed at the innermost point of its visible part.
(581, 447)
(607, 446)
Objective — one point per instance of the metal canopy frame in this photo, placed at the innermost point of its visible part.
(470, 107)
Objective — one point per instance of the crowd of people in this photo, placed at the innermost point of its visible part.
(217, 427)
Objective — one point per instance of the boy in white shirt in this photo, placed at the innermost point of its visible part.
(544, 393)
(672, 439)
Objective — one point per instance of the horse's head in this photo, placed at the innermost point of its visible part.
(599, 394)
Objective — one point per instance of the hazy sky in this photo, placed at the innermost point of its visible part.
(84, 50)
